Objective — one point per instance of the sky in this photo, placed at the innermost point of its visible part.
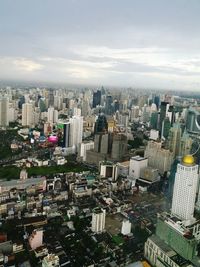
(127, 43)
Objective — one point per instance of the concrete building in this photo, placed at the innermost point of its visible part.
(27, 114)
(76, 131)
(36, 239)
(51, 260)
(4, 111)
(175, 139)
(185, 189)
(192, 120)
(154, 135)
(150, 175)
(137, 163)
(158, 157)
(98, 220)
(119, 146)
(107, 169)
(52, 115)
(126, 227)
(122, 169)
(176, 242)
(83, 147)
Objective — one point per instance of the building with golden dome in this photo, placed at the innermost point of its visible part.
(185, 189)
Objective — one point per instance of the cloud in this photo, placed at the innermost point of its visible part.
(27, 65)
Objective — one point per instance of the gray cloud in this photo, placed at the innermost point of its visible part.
(126, 43)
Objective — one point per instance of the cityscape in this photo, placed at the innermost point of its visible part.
(99, 133)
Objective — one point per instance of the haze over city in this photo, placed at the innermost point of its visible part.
(145, 44)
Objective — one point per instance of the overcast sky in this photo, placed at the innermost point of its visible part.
(138, 43)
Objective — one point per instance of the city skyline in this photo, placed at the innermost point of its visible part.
(146, 44)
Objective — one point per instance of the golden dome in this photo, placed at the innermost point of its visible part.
(188, 159)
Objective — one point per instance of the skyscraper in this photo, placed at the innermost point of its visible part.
(175, 139)
(193, 120)
(163, 110)
(96, 99)
(27, 114)
(4, 111)
(185, 189)
(101, 124)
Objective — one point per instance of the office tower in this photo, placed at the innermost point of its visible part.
(119, 146)
(4, 111)
(83, 147)
(137, 164)
(166, 125)
(51, 98)
(116, 105)
(158, 157)
(123, 119)
(96, 99)
(108, 106)
(175, 139)
(101, 124)
(52, 116)
(85, 108)
(171, 179)
(163, 110)
(154, 120)
(145, 113)
(185, 144)
(193, 121)
(21, 102)
(185, 189)
(27, 114)
(98, 220)
(66, 134)
(156, 100)
(135, 112)
(42, 105)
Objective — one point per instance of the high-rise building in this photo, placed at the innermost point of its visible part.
(52, 115)
(166, 125)
(175, 139)
(158, 157)
(27, 114)
(163, 110)
(137, 163)
(51, 97)
(76, 130)
(185, 144)
(176, 241)
(66, 134)
(108, 106)
(4, 119)
(98, 220)
(101, 124)
(185, 189)
(193, 120)
(96, 98)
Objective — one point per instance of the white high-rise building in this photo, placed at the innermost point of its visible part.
(4, 119)
(76, 130)
(98, 220)
(185, 189)
(27, 114)
(52, 116)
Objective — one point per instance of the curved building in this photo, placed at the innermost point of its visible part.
(193, 121)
